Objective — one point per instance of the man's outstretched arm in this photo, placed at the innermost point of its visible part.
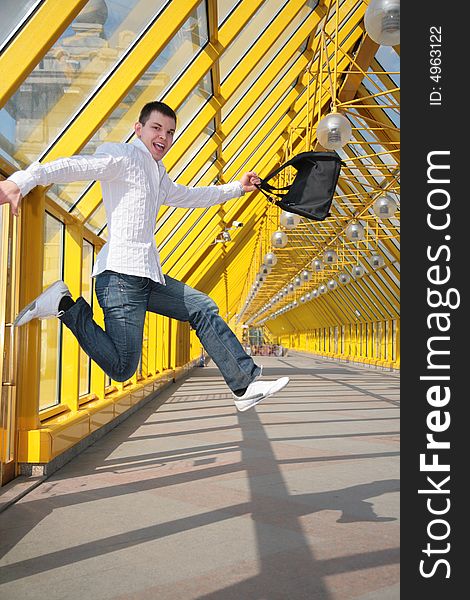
(10, 194)
(100, 166)
(197, 197)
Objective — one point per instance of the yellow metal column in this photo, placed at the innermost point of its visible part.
(153, 341)
(354, 344)
(97, 383)
(390, 342)
(370, 342)
(8, 293)
(163, 346)
(31, 270)
(29, 336)
(73, 247)
(145, 346)
(397, 345)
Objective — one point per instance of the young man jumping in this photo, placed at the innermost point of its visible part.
(129, 278)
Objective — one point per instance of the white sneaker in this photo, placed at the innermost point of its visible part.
(46, 304)
(257, 390)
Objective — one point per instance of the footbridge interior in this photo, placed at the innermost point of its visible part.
(254, 83)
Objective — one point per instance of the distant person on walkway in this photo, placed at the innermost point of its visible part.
(129, 278)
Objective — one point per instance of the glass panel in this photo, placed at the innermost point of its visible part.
(185, 160)
(207, 174)
(390, 61)
(385, 100)
(234, 99)
(87, 294)
(373, 298)
(268, 59)
(391, 295)
(256, 133)
(79, 61)
(97, 219)
(49, 394)
(181, 223)
(193, 104)
(13, 13)
(225, 7)
(249, 35)
(160, 76)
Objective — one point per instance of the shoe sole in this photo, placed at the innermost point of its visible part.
(251, 405)
(262, 398)
(32, 305)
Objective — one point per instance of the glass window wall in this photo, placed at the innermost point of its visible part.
(14, 13)
(78, 63)
(51, 329)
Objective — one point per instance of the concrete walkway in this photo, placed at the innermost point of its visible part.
(297, 499)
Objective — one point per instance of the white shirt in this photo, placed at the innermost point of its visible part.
(134, 187)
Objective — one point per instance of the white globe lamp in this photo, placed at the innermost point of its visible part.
(358, 271)
(270, 259)
(279, 239)
(355, 232)
(334, 131)
(384, 207)
(382, 22)
(289, 220)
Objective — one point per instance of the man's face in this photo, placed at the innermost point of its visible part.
(157, 134)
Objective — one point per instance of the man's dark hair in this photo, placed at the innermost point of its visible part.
(161, 107)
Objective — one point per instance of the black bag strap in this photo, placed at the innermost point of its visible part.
(276, 172)
(270, 198)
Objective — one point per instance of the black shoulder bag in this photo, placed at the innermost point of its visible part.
(311, 192)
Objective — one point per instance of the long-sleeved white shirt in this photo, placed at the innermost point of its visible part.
(134, 187)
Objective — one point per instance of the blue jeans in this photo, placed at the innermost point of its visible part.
(126, 298)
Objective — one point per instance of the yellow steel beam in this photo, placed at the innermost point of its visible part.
(123, 78)
(203, 236)
(29, 338)
(268, 75)
(364, 56)
(363, 302)
(261, 47)
(205, 271)
(212, 17)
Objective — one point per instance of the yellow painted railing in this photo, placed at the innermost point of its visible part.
(375, 343)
